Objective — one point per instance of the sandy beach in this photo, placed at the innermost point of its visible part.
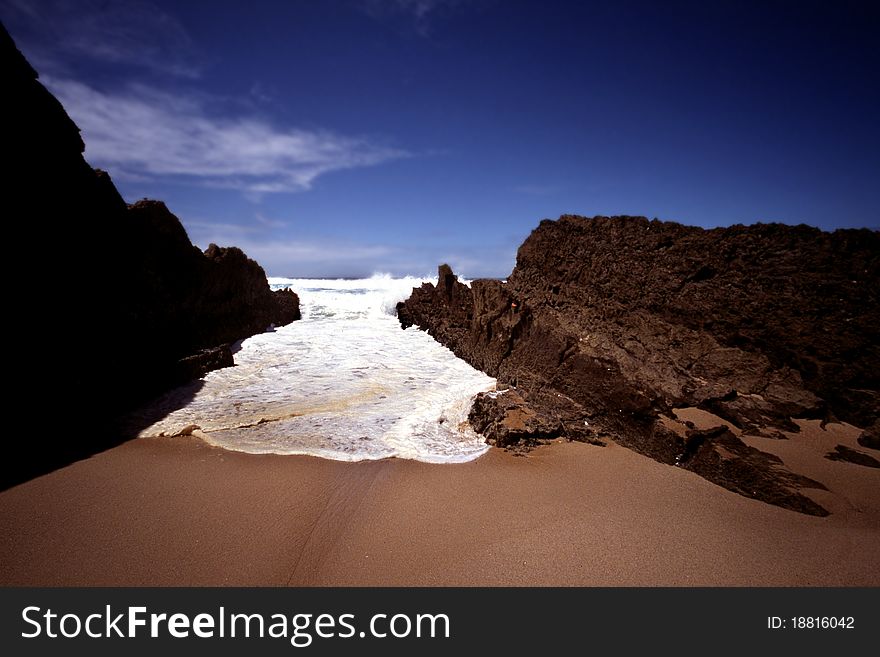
(175, 511)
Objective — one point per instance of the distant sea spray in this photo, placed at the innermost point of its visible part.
(344, 383)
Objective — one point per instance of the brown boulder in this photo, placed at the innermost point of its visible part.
(513, 418)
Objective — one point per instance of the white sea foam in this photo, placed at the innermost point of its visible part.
(344, 383)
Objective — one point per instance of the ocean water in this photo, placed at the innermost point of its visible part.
(345, 383)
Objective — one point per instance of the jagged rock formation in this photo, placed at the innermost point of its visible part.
(116, 303)
(198, 300)
(844, 453)
(626, 319)
(871, 438)
(519, 419)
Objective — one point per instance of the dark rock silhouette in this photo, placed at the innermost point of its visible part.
(205, 299)
(871, 437)
(627, 319)
(718, 455)
(116, 304)
(844, 453)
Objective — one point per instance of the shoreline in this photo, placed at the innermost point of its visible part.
(178, 512)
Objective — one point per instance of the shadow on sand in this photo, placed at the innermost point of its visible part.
(75, 432)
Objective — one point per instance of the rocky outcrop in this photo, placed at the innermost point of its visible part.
(115, 303)
(520, 419)
(871, 437)
(629, 319)
(844, 453)
(196, 300)
(720, 456)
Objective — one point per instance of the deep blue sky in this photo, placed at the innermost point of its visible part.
(346, 137)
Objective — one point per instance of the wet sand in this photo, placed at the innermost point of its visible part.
(175, 511)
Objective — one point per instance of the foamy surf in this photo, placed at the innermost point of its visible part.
(344, 383)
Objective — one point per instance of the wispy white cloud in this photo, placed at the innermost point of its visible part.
(420, 8)
(131, 32)
(268, 222)
(320, 256)
(420, 12)
(259, 93)
(294, 257)
(492, 261)
(538, 189)
(147, 134)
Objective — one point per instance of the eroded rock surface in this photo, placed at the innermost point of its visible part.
(629, 318)
(844, 453)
